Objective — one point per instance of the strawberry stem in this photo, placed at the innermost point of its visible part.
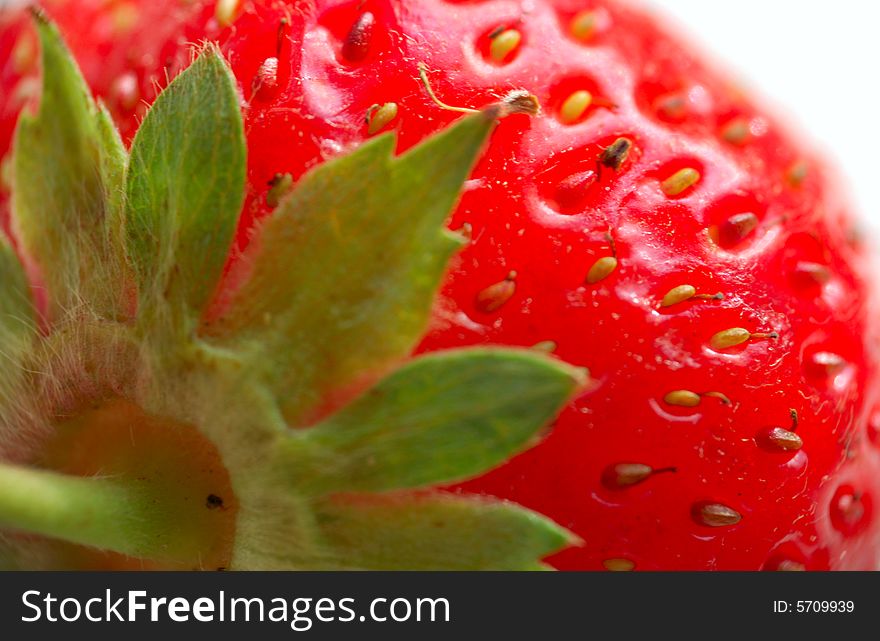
(106, 513)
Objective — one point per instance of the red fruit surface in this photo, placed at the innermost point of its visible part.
(725, 495)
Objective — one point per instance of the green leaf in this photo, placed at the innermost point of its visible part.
(16, 308)
(67, 172)
(440, 418)
(344, 273)
(185, 188)
(435, 532)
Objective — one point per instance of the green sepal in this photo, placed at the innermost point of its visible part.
(343, 275)
(440, 418)
(67, 171)
(184, 192)
(435, 532)
(17, 314)
(342, 279)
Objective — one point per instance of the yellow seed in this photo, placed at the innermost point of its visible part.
(226, 11)
(378, 117)
(618, 565)
(583, 25)
(730, 338)
(575, 106)
(797, 173)
(601, 269)
(682, 398)
(125, 17)
(716, 515)
(790, 566)
(736, 131)
(680, 181)
(504, 43)
(678, 295)
(494, 296)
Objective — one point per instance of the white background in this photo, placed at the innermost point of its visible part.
(816, 63)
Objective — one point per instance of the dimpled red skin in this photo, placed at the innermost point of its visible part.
(814, 507)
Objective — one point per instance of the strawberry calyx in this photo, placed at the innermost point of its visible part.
(153, 411)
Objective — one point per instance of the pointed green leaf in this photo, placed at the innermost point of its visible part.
(16, 308)
(185, 188)
(67, 173)
(435, 532)
(440, 418)
(343, 275)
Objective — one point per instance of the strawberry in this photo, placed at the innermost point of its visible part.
(651, 224)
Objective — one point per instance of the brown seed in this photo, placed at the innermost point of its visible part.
(813, 273)
(583, 25)
(518, 101)
(618, 565)
(715, 514)
(680, 181)
(494, 296)
(736, 228)
(779, 439)
(357, 43)
(601, 269)
(615, 154)
(621, 475)
(503, 44)
(672, 107)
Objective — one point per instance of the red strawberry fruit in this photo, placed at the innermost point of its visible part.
(650, 224)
